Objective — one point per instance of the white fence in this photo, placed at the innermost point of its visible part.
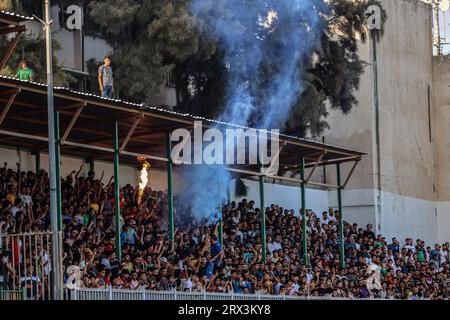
(121, 294)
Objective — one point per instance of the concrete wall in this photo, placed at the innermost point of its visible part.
(441, 105)
(286, 196)
(441, 100)
(405, 73)
(406, 203)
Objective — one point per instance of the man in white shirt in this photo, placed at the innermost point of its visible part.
(325, 219)
(374, 280)
(26, 197)
(272, 245)
(409, 245)
(277, 243)
(331, 215)
(17, 207)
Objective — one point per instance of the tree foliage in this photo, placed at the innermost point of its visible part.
(150, 38)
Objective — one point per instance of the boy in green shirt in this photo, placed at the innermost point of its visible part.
(25, 73)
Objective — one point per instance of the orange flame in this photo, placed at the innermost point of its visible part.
(143, 177)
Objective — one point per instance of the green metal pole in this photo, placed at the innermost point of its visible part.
(91, 165)
(22, 293)
(220, 232)
(262, 216)
(58, 170)
(170, 187)
(341, 217)
(116, 190)
(303, 202)
(220, 227)
(37, 160)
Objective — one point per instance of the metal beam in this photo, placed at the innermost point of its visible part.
(88, 146)
(170, 188)
(303, 213)
(71, 106)
(116, 191)
(341, 218)
(147, 156)
(8, 92)
(284, 178)
(18, 28)
(350, 174)
(23, 135)
(262, 215)
(324, 163)
(275, 158)
(58, 171)
(130, 132)
(8, 105)
(82, 145)
(37, 159)
(71, 124)
(10, 50)
(315, 166)
(320, 184)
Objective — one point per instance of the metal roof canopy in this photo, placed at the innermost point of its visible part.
(11, 23)
(86, 130)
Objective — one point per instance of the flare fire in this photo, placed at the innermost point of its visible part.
(143, 177)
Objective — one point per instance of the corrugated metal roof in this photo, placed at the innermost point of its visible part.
(14, 16)
(144, 107)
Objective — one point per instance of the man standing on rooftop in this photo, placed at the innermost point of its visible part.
(105, 78)
(25, 73)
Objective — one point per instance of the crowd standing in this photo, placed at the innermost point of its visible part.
(196, 261)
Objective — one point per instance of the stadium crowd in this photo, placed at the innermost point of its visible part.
(196, 261)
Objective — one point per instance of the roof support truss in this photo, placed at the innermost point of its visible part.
(130, 133)
(350, 174)
(315, 166)
(71, 124)
(275, 158)
(11, 48)
(8, 106)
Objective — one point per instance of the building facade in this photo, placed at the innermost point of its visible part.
(402, 187)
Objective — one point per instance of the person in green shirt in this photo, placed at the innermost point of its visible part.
(25, 73)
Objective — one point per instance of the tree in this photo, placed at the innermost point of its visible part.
(149, 38)
(335, 76)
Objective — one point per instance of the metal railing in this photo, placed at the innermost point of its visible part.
(27, 267)
(122, 294)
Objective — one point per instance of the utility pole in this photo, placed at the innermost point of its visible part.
(56, 252)
(437, 40)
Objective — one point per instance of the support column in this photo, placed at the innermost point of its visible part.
(262, 215)
(303, 206)
(341, 217)
(58, 170)
(91, 164)
(220, 227)
(116, 191)
(37, 160)
(220, 231)
(170, 187)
